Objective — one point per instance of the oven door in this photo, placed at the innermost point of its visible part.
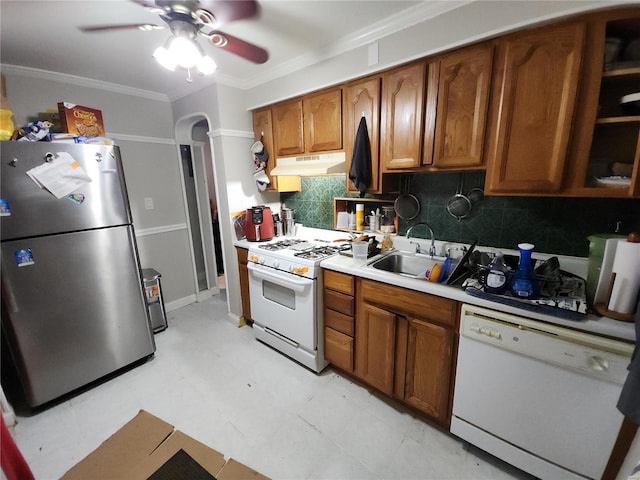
(284, 303)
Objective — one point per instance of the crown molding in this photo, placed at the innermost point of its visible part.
(82, 82)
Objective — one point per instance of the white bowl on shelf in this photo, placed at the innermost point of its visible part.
(631, 103)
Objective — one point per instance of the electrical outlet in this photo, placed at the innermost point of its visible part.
(148, 203)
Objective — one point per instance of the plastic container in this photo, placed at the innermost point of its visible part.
(524, 283)
(6, 124)
(360, 217)
(497, 278)
(360, 250)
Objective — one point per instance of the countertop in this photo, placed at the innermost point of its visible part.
(592, 323)
(341, 263)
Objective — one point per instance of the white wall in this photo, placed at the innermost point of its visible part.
(231, 137)
(466, 24)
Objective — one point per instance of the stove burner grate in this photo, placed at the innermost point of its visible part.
(318, 253)
(280, 244)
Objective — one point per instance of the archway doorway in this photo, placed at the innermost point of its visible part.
(199, 193)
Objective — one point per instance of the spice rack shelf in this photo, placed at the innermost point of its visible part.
(348, 204)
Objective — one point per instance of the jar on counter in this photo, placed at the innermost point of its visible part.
(388, 220)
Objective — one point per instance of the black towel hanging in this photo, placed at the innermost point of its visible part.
(360, 171)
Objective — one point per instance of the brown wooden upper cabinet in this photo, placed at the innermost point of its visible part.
(323, 121)
(536, 79)
(288, 128)
(310, 124)
(403, 91)
(362, 98)
(463, 83)
(605, 154)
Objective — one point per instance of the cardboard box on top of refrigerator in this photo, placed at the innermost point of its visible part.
(80, 120)
(149, 448)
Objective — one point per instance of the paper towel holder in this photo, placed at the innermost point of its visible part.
(603, 309)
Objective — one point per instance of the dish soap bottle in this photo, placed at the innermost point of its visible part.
(496, 280)
(524, 283)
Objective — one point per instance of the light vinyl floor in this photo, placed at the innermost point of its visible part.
(215, 382)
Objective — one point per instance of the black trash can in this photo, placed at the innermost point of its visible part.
(155, 303)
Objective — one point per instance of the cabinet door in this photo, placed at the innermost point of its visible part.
(362, 99)
(263, 131)
(402, 117)
(536, 81)
(428, 368)
(606, 139)
(463, 99)
(323, 121)
(288, 133)
(375, 346)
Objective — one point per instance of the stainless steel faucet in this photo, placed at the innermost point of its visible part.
(432, 248)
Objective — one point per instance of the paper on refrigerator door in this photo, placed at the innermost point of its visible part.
(61, 176)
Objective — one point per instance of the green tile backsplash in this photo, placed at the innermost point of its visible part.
(556, 225)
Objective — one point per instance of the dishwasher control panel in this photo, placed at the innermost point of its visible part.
(602, 357)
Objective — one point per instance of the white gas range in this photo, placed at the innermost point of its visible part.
(285, 287)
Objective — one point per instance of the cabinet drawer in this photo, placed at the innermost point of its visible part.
(338, 349)
(339, 281)
(409, 302)
(339, 321)
(339, 302)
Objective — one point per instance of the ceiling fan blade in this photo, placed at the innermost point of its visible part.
(238, 47)
(104, 28)
(226, 11)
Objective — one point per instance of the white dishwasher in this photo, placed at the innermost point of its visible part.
(540, 397)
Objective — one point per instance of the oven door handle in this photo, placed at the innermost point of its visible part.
(288, 280)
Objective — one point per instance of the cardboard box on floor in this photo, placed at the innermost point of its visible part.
(149, 448)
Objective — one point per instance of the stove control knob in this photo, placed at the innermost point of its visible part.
(276, 264)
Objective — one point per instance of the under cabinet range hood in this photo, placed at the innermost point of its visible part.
(311, 165)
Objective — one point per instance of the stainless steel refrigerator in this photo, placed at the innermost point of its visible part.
(73, 305)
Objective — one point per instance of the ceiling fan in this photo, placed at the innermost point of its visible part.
(189, 18)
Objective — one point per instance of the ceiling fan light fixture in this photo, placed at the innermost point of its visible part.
(184, 51)
(164, 58)
(206, 65)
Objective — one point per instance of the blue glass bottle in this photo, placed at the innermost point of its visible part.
(524, 283)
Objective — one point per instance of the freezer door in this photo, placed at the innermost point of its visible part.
(73, 309)
(28, 210)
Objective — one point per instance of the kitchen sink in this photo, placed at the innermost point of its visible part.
(405, 263)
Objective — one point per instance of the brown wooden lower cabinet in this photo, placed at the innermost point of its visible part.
(428, 368)
(243, 271)
(404, 345)
(375, 346)
(339, 326)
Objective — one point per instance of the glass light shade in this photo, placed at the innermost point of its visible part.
(184, 52)
(206, 65)
(164, 58)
